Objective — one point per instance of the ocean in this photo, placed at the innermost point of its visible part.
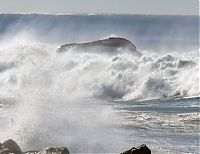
(95, 102)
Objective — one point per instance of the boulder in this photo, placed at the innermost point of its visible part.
(10, 146)
(108, 46)
(62, 150)
(143, 149)
(50, 150)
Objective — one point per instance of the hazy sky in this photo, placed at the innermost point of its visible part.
(189, 7)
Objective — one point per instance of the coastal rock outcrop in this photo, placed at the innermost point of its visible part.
(109, 45)
(143, 149)
(11, 147)
(50, 150)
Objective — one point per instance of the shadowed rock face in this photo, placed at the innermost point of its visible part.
(143, 149)
(110, 45)
(50, 150)
(11, 147)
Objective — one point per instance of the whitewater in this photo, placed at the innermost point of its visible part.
(96, 102)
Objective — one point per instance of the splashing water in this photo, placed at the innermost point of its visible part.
(82, 99)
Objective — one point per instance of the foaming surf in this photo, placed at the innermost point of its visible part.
(51, 98)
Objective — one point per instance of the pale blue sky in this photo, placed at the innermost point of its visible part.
(181, 7)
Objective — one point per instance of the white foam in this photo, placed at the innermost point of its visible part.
(53, 89)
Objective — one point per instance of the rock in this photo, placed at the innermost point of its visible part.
(10, 146)
(109, 46)
(61, 150)
(50, 150)
(143, 149)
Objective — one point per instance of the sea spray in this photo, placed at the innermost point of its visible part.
(54, 89)
(94, 102)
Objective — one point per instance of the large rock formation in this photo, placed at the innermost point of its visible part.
(62, 150)
(11, 147)
(143, 149)
(110, 45)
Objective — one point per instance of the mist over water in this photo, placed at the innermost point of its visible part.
(63, 99)
(158, 33)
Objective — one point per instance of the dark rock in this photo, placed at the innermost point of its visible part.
(10, 146)
(61, 150)
(143, 149)
(6, 151)
(50, 150)
(109, 46)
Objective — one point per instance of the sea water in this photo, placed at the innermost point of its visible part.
(100, 103)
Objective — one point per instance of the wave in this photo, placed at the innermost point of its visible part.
(118, 76)
(61, 92)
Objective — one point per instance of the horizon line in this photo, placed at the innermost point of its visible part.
(93, 14)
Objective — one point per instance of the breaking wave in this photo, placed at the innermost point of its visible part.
(55, 92)
(51, 90)
(120, 76)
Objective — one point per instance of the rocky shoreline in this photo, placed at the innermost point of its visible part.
(11, 147)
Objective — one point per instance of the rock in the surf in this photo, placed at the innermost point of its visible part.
(10, 146)
(50, 150)
(143, 149)
(111, 45)
(62, 150)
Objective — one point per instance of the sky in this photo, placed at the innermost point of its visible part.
(175, 7)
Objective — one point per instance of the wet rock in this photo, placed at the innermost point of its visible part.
(10, 146)
(50, 150)
(109, 46)
(143, 149)
(61, 150)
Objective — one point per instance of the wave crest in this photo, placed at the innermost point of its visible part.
(95, 75)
